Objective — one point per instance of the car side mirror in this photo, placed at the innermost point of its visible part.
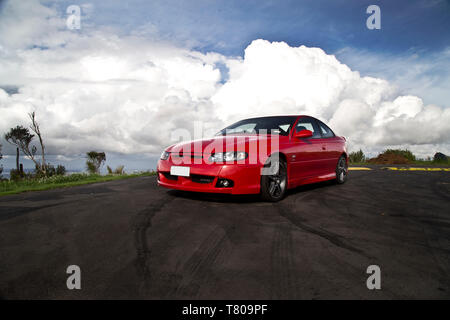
(303, 134)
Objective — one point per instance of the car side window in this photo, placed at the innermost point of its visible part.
(326, 132)
(308, 124)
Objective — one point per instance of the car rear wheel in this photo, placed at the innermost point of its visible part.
(274, 180)
(341, 170)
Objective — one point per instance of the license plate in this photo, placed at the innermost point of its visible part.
(179, 171)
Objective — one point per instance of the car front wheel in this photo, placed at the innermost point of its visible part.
(274, 180)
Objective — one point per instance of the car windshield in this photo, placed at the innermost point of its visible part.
(270, 125)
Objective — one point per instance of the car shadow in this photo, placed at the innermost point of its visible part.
(244, 198)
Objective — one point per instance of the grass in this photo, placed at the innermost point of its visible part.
(12, 187)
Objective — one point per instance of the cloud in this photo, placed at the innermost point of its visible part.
(25, 23)
(415, 72)
(274, 78)
(127, 94)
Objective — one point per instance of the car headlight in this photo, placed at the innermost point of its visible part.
(164, 155)
(228, 156)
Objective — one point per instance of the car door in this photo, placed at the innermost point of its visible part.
(332, 151)
(306, 152)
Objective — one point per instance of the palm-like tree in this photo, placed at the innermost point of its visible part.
(94, 161)
(21, 138)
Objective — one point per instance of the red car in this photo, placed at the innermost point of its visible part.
(265, 155)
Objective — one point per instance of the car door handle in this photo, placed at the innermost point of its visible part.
(324, 148)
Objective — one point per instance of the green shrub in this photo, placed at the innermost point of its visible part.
(119, 170)
(60, 170)
(16, 175)
(357, 157)
(50, 171)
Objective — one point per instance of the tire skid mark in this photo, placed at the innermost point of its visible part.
(141, 223)
(440, 262)
(335, 239)
(283, 279)
(197, 269)
(439, 190)
(10, 212)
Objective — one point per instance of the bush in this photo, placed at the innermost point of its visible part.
(16, 175)
(50, 171)
(60, 170)
(119, 170)
(404, 153)
(357, 157)
(440, 158)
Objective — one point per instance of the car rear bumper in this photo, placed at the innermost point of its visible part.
(204, 177)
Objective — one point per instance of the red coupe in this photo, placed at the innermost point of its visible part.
(265, 155)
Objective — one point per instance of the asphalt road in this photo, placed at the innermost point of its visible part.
(133, 239)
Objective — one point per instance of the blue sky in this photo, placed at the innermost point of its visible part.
(229, 26)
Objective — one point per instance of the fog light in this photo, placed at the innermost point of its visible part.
(224, 183)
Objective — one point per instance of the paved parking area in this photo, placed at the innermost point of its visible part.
(132, 239)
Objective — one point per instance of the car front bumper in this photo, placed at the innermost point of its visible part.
(203, 177)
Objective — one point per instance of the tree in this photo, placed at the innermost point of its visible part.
(357, 157)
(35, 128)
(21, 138)
(95, 161)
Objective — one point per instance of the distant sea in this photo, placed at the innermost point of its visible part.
(77, 163)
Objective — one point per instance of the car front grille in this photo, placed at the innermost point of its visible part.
(199, 178)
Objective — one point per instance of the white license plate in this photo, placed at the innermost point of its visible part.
(179, 171)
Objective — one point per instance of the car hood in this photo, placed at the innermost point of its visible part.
(223, 143)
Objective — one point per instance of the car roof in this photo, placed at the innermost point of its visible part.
(281, 116)
(278, 116)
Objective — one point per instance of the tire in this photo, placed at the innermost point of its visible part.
(274, 182)
(341, 170)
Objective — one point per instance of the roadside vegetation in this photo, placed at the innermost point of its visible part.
(30, 143)
(357, 157)
(398, 156)
(60, 181)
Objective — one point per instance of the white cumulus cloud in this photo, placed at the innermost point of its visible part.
(274, 78)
